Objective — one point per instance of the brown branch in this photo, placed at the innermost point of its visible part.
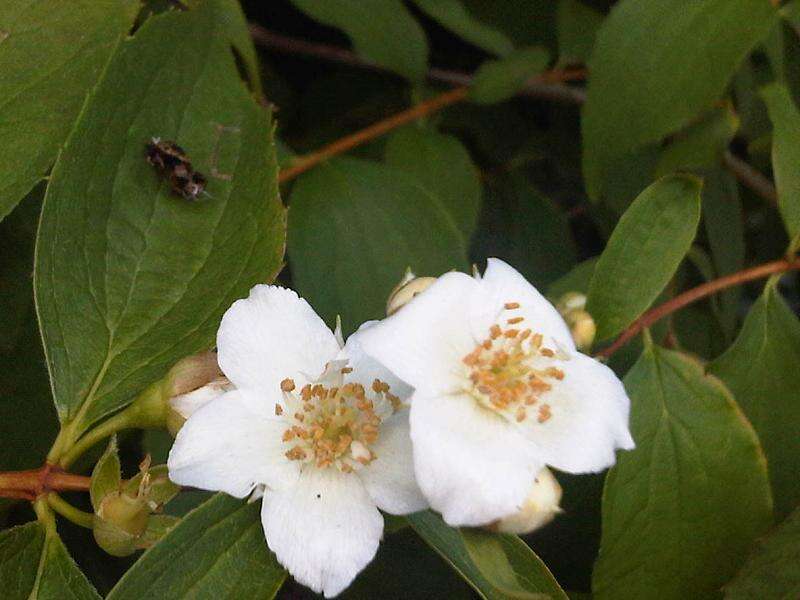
(693, 295)
(548, 86)
(304, 163)
(547, 89)
(342, 145)
(750, 177)
(35, 482)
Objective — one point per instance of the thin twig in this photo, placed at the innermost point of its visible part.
(34, 482)
(697, 293)
(546, 87)
(536, 88)
(342, 145)
(304, 163)
(750, 177)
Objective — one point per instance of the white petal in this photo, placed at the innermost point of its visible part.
(471, 464)
(502, 284)
(389, 478)
(589, 418)
(271, 335)
(366, 369)
(423, 343)
(187, 404)
(227, 446)
(324, 529)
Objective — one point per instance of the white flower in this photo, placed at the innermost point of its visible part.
(500, 392)
(320, 430)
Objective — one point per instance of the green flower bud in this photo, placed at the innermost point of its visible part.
(123, 518)
(152, 408)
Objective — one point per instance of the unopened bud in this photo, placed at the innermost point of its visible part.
(193, 372)
(572, 307)
(181, 407)
(571, 301)
(190, 384)
(582, 327)
(539, 508)
(151, 409)
(410, 285)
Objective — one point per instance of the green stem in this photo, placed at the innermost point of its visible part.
(44, 514)
(148, 410)
(69, 512)
(63, 440)
(107, 428)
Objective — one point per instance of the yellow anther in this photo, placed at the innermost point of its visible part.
(509, 370)
(334, 425)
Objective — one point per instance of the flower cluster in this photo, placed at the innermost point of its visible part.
(458, 401)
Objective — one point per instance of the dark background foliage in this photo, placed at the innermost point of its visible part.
(534, 212)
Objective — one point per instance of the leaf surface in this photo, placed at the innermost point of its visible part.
(129, 277)
(217, 551)
(681, 510)
(51, 55)
(643, 253)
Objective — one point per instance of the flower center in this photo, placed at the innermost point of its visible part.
(510, 370)
(333, 423)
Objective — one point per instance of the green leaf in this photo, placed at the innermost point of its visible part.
(723, 221)
(35, 564)
(354, 228)
(157, 527)
(106, 475)
(525, 23)
(577, 26)
(578, 279)
(510, 565)
(760, 368)
(233, 19)
(498, 80)
(51, 54)
(130, 278)
(643, 253)
(773, 570)
(682, 509)
(526, 229)
(383, 32)
(216, 551)
(505, 566)
(700, 146)
(452, 15)
(785, 153)
(441, 164)
(656, 65)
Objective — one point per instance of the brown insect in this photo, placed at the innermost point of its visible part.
(173, 163)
